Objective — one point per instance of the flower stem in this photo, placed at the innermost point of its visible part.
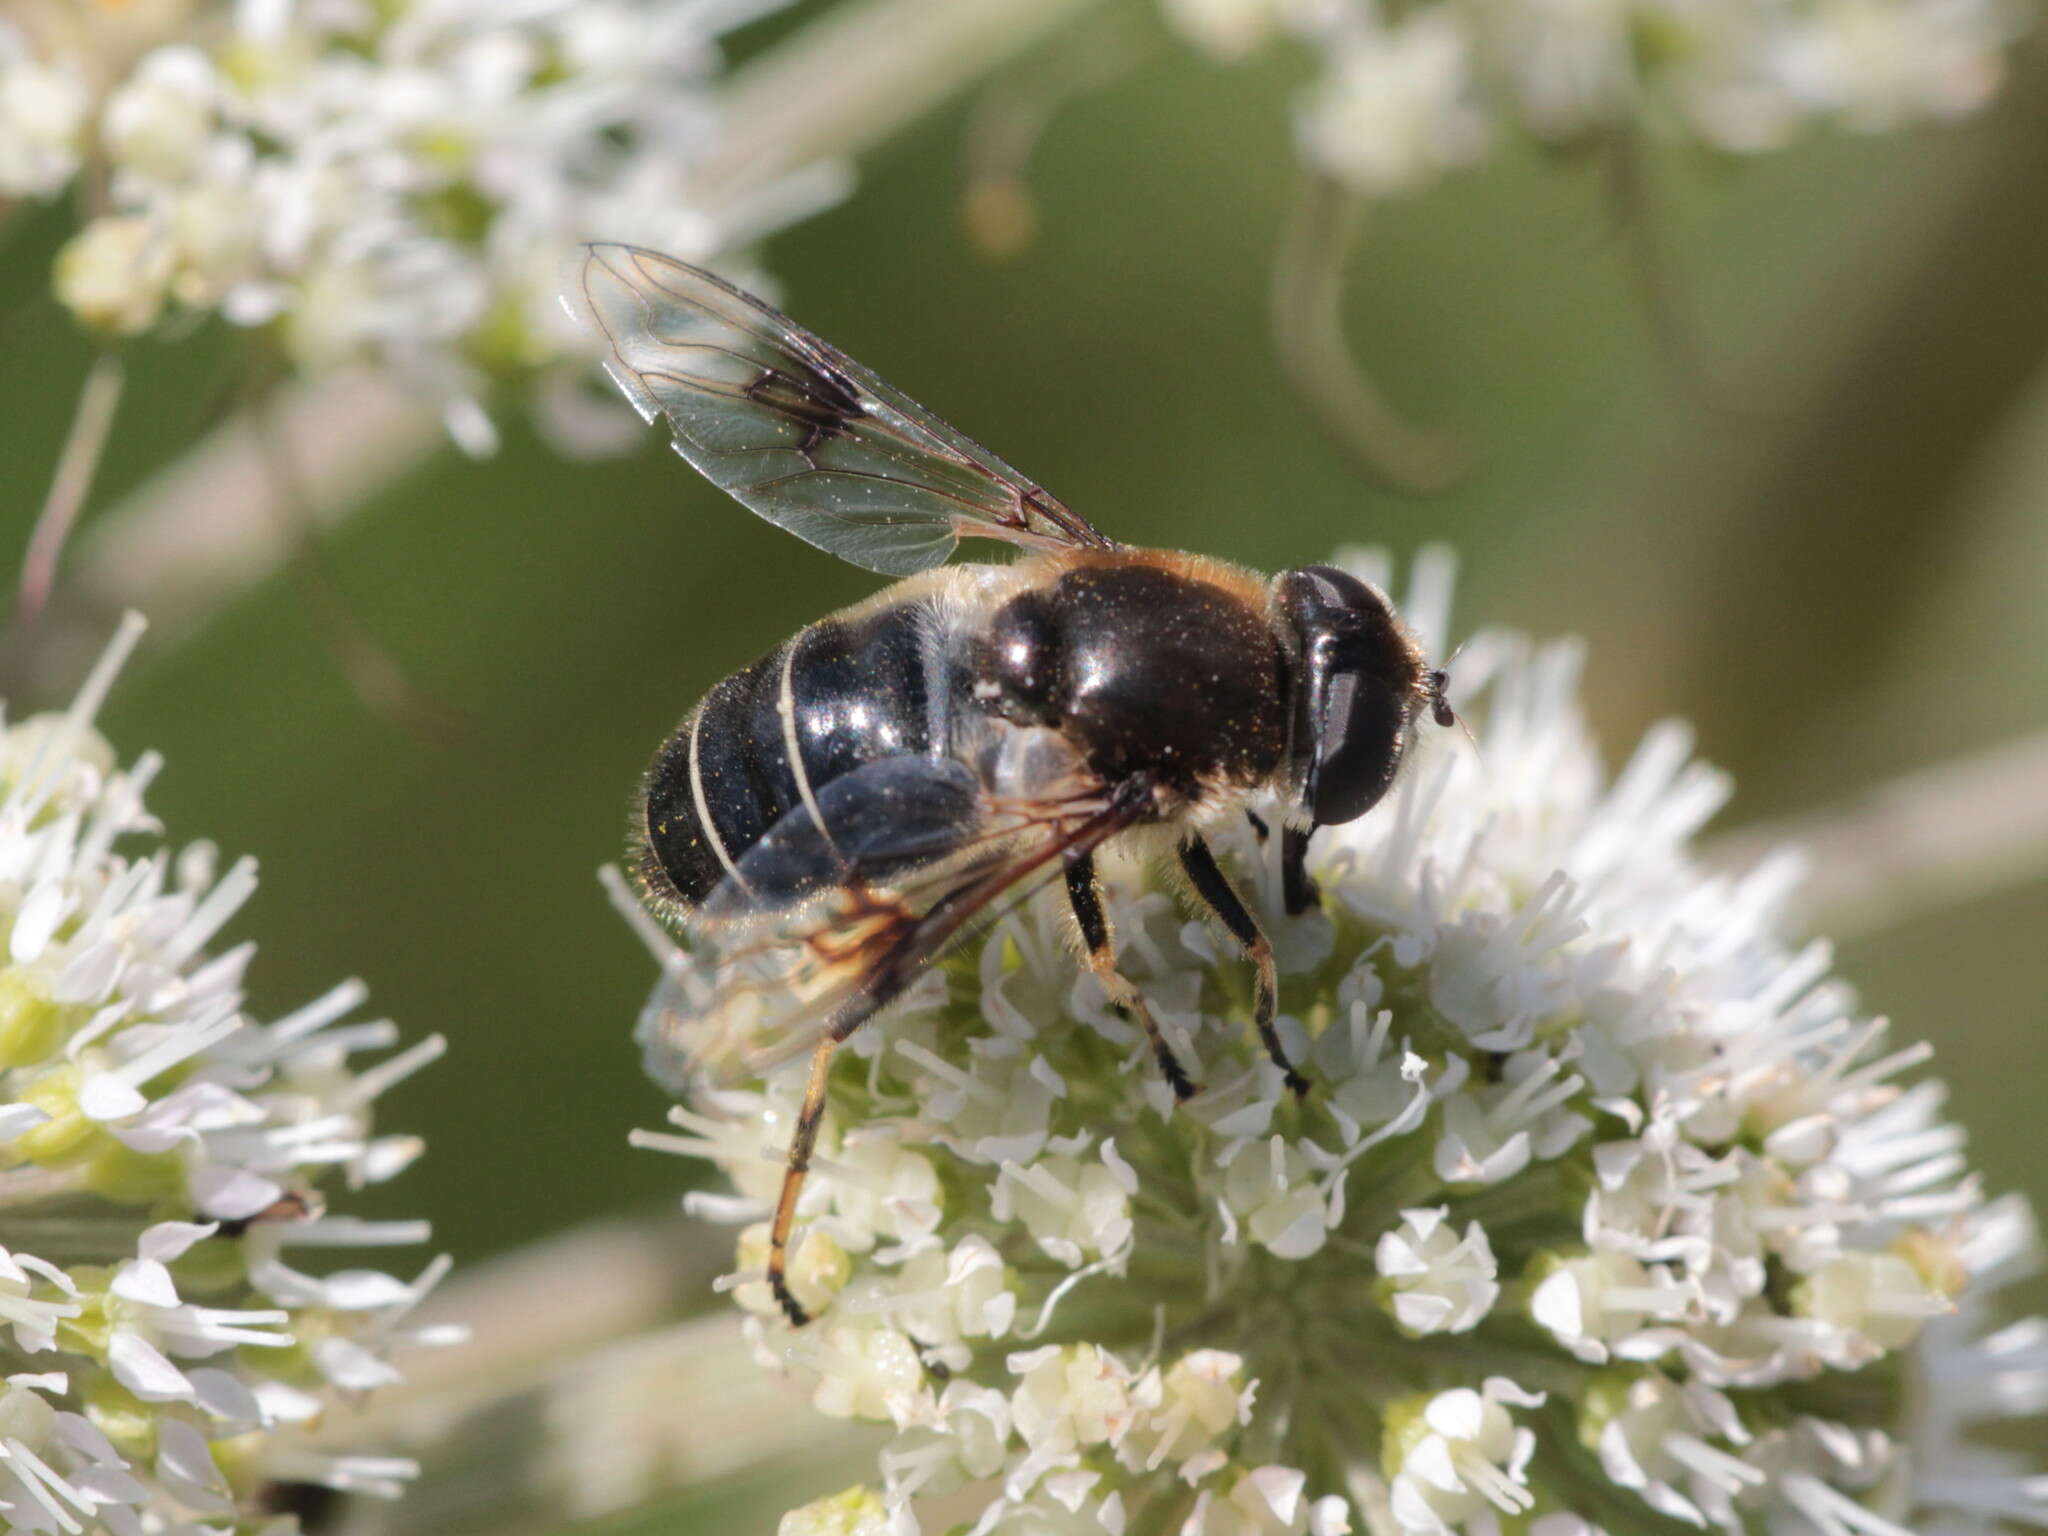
(77, 465)
(856, 76)
(1308, 329)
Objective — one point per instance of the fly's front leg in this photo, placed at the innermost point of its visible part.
(1084, 891)
(1298, 888)
(1218, 895)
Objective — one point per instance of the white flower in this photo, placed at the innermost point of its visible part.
(1878, 1298)
(115, 273)
(1656, 1437)
(34, 1298)
(1569, 65)
(1462, 1457)
(1575, 1103)
(1441, 1283)
(856, 1512)
(1406, 94)
(215, 228)
(1881, 64)
(151, 1323)
(1074, 1211)
(1269, 1189)
(1491, 1133)
(1068, 1399)
(1977, 1374)
(1200, 1399)
(56, 1470)
(1396, 109)
(1269, 1501)
(865, 1373)
(1599, 1301)
(142, 1108)
(883, 1192)
(964, 1438)
(395, 184)
(157, 123)
(42, 113)
(999, 1112)
(944, 1300)
(1229, 29)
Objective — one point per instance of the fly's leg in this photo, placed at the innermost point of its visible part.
(887, 944)
(801, 1145)
(1298, 887)
(1084, 891)
(1218, 895)
(882, 988)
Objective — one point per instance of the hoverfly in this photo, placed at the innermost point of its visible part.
(876, 783)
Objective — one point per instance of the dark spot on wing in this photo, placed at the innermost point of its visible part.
(823, 400)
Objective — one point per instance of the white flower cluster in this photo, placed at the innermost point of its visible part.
(1606, 1203)
(162, 1353)
(1408, 92)
(393, 184)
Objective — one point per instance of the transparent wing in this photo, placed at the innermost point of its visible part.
(764, 994)
(796, 430)
(881, 822)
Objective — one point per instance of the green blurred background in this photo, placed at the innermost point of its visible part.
(1836, 569)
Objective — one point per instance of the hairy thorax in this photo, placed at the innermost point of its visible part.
(1147, 663)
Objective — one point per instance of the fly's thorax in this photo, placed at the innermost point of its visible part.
(1148, 663)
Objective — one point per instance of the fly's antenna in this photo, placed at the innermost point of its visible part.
(1439, 704)
(1439, 686)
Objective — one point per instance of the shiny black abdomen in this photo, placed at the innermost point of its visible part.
(1149, 669)
(858, 688)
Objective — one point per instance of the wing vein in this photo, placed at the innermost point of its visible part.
(726, 370)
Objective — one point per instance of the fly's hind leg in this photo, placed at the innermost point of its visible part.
(801, 1145)
(881, 990)
(1222, 899)
(1084, 891)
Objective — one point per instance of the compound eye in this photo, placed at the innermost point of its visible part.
(1329, 591)
(1360, 729)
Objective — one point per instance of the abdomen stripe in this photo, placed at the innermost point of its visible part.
(842, 693)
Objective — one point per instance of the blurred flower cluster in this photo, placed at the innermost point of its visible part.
(1607, 1203)
(391, 184)
(1408, 92)
(165, 1355)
